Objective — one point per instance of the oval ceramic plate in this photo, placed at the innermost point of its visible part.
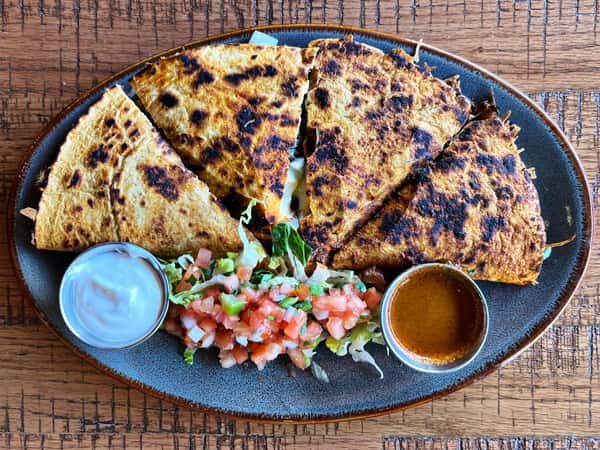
(518, 315)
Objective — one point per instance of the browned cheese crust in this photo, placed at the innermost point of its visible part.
(116, 179)
(476, 207)
(233, 112)
(375, 116)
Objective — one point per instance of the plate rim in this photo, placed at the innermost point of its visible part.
(567, 294)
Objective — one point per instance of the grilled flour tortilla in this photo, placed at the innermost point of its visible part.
(233, 112)
(476, 207)
(375, 116)
(115, 179)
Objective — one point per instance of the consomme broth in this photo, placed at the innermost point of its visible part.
(436, 316)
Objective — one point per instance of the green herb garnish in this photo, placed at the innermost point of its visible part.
(188, 355)
(288, 301)
(231, 304)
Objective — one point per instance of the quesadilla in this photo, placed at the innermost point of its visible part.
(475, 206)
(375, 117)
(116, 179)
(233, 113)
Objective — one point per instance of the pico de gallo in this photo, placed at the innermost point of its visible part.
(253, 312)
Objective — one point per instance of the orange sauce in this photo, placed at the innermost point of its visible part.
(436, 316)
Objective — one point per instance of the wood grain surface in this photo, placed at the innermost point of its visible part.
(52, 50)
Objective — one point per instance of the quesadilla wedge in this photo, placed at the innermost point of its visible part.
(233, 113)
(116, 179)
(375, 117)
(475, 206)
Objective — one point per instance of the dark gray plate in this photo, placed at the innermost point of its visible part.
(518, 315)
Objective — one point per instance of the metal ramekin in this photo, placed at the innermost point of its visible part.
(408, 358)
(133, 250)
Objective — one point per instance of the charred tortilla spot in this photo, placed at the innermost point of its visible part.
(423, 140)
(124, 146)
(466, 134)
(100, 194)
(202, 77)
(110, 122)
(328, 152)
(447, 163)
(504, 192)
(274, 141)
(287, 121)
(166, 185)
(358, 85)
(127, 123)
(118, 197)
(356, 102)
(461, 114)
(190, 64)
(90, 202)
(396, 227)
(277, 187)
(331, 67)
(401, 102)
(351, 204)
(248, 121)
(289, 88)
(399, 59)
(322, 97)
(276, 104)
(490, 225)
(255, 101)
(168, 100)
(75, 179)
(197, 117)
(448, 212)
(245, 141)
(99, 155)
(134, 133)
(69, 227)
(317, 183)
(78, 209)
(270, 71)
(510, 164)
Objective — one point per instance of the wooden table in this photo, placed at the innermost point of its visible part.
(52, 50)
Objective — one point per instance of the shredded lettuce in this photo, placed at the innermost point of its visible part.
(185, 260)
(318, 372)
(277, 280)
(188, 355)
(185, 297)
(360, 336)
(224, 265)
(174, 274)
(252, 252)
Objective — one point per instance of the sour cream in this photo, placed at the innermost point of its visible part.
(114, 295)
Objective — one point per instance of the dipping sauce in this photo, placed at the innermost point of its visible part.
(436, 316)
(113, 295)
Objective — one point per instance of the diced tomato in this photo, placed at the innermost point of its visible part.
(292, 329)
(208, 324)
(356, 304)
(251, 294)
(335, 327)
(297, 358)
(203, 258)
(264, 353)
(240, 354)
(229, 322)
(372, 297)
(227, 359)
(212, 291)
(302, 291)
(244, 273)
(331, 303)
(242, 329)
(224, 340)
(350, 319)
(204, 305)
(268, 308)
(313, 331)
